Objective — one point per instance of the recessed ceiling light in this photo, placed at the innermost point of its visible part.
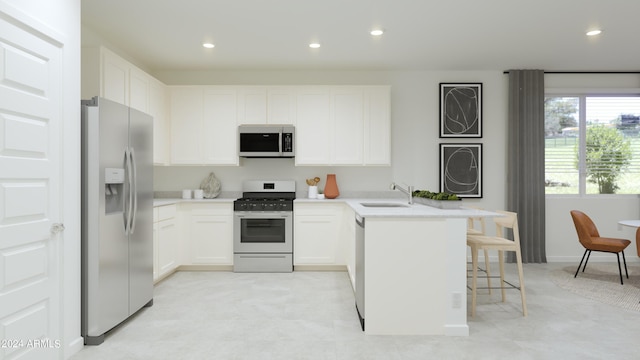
(377, 32)
(594, 32)
(208, 45)
(314, 45)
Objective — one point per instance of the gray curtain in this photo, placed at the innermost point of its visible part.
(525, 161)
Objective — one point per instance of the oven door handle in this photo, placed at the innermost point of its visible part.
(262, 256)
(262, 215)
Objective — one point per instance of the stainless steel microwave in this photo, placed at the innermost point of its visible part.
(267, 141)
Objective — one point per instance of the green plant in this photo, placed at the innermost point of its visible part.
(435, 196)
(607, 154)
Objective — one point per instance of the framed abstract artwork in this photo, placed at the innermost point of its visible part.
(460, 110)
(461, 169)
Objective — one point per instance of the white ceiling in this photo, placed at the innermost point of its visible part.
(420, 34)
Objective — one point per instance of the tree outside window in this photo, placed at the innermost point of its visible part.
(608, 153)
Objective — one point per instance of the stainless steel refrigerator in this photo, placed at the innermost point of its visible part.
(117, 215)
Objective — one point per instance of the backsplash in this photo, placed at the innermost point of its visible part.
(351, 180)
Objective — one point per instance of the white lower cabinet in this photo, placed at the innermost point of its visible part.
(165, 231)
(200, 236)
(317, 234)
(211, 234)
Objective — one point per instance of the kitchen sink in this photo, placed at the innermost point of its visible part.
(384, 205)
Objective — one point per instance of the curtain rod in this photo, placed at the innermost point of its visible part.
(586, 72)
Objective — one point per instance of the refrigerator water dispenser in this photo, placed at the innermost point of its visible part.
(113, 190)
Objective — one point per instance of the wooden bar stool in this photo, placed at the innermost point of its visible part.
(480, 230)
(502, 244)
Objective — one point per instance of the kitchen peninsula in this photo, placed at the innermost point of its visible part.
(415, 255)
(414, 266)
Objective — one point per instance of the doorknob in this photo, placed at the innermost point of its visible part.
(57, 228)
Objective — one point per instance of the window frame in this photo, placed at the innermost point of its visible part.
(582, 95)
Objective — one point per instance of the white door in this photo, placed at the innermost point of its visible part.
(30, 192)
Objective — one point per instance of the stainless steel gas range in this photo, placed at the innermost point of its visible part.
(263, 227)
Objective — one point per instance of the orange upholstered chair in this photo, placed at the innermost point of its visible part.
(592, 241)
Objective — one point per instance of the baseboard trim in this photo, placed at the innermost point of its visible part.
(205, 268)
(456, 330)
(601, 258)
(74, 347)
(319, 268)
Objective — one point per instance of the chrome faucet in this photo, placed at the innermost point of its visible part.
(408, 191)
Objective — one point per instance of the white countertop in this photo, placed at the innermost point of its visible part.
(414, 210)
(162, 202)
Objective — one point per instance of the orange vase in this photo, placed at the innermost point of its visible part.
(331, 187)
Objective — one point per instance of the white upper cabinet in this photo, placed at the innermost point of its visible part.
(115, 77)
(348, 121)
(252, 105)
(266, 105)
(343, 125)
(281, 105)
(139, 89)
(220, 129)
(186, 124)
(335, 125)
(203, 125)
(314, 128)
(108, 75)
(158, 108)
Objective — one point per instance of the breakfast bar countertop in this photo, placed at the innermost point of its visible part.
(401, 208)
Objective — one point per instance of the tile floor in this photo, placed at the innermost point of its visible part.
(311, 315)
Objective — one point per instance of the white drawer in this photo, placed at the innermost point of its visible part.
(166, 212)
(318, 209)
(212, 209)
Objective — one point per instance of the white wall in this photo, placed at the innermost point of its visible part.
(63, 16)
(605, 211)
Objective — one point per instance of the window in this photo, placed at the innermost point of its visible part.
(592, 144)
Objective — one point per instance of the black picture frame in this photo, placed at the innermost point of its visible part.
(461, 169)
(461, 110)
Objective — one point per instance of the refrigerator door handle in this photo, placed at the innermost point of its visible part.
(125, 210)
(130, 179)
(134, 192)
